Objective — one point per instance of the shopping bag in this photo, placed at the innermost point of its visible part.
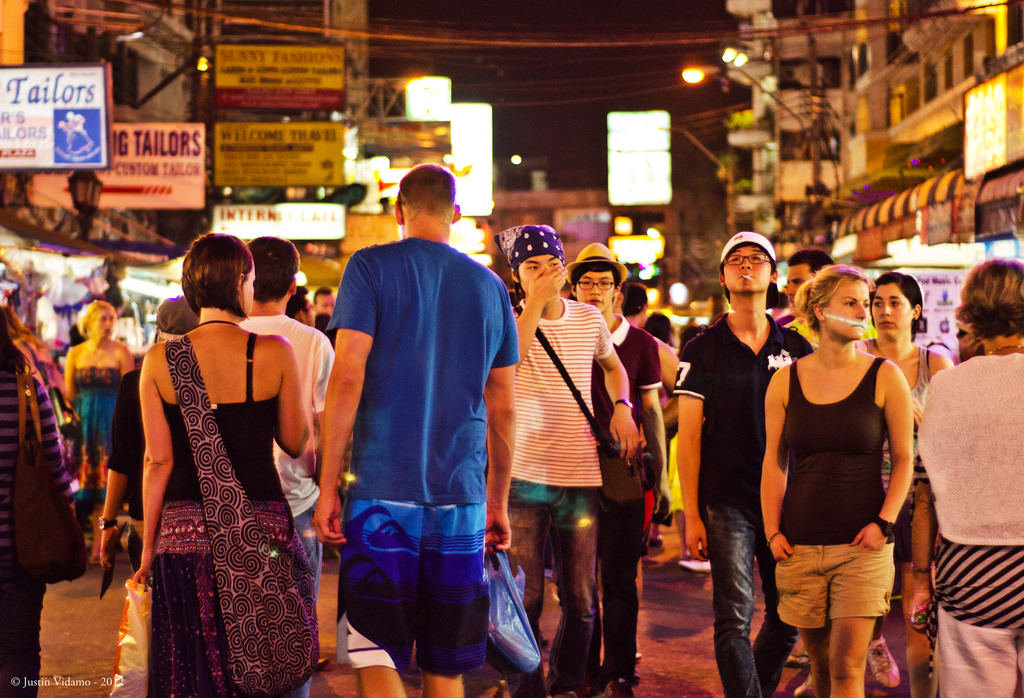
(131, 663)
(511, 646)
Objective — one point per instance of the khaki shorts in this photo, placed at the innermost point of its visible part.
(820, 582)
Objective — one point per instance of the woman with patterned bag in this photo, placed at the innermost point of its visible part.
(233, 605)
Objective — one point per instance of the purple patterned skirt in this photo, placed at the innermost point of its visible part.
(189, 654)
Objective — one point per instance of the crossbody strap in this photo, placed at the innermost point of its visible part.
(598, 432)
(27, 400)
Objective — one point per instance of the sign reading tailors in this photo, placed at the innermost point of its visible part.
(304, 154)
(55, 117)
(158, 166)
(279, 77)
(288, 221)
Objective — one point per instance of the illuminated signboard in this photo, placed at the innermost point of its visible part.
(279, 77)
(994, 123)
(472, 158)
(288, 221)
(428, 99)
(639, 163)
(55, 117)
(306, 154)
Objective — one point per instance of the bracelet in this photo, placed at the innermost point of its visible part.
(772, 537)
(922, 570)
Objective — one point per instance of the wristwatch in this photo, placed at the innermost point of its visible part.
(887, 526)
(627, 403)
(107, 523)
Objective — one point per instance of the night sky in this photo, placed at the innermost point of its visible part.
(550, 102)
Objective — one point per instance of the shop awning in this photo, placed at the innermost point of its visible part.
(940, 189)
(1003, 187)
(935, 190)
(50, 238)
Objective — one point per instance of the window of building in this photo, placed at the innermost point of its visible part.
(862, 59)
(990, 39)
(1014, 26)
(968, 55)
(931, 81)
(948, 69)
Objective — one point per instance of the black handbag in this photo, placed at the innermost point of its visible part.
(621, 482)
(48, 540)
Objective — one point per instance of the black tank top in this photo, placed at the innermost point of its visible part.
(836, 486)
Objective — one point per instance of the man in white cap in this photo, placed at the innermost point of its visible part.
(721, 385)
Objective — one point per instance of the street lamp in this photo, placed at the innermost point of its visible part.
(85, 188)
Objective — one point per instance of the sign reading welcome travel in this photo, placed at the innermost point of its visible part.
(279, 77)
(158, 166)
(55, 117)
(306, 154)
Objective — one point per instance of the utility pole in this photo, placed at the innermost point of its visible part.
(730, 178)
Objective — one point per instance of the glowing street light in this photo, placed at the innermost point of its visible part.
(737, 58)
(693, 76)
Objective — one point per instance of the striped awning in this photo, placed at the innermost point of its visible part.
(940, 189)
(935, 190)
(1003, 187)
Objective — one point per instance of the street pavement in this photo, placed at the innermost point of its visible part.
(79, 635)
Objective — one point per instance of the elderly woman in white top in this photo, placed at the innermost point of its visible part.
(972, 445)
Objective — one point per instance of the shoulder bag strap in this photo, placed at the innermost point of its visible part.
(27, 401)
(572, 388)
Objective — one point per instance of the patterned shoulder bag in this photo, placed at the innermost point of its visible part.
(264, 583)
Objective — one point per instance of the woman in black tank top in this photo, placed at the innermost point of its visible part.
(829, 521)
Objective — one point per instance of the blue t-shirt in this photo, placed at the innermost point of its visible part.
(440, 322)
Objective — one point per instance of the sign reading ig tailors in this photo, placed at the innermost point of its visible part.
(55, 117)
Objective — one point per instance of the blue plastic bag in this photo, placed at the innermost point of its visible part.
(511, 646)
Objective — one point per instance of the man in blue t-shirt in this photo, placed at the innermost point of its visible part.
(425, 358)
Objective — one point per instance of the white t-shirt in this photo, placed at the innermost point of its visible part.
(315, 356)
(554, 444)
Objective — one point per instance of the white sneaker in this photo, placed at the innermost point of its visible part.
(696, 566)
(806, 689)
(883, 664)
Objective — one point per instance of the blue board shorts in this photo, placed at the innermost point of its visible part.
(414, 573)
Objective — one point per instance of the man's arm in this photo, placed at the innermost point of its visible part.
(344, 390)
(622, 427)
(691, 421)
(654, 433)
(499, 396)
(545, 289)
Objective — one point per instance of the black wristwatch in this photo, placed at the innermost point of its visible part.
(107, 523)
(627, 403)
(888, 527)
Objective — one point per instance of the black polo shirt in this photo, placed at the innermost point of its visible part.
(732, 381)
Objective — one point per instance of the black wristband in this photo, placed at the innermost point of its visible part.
(888, 527)
(107, 523)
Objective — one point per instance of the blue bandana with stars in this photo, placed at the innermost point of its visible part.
(525, 241)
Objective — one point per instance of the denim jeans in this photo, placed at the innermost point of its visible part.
(314, 553)
(735, 538)
(21, 605)
(569, 516)
(620, 547)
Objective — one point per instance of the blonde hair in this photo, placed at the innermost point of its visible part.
(820, 289)
(92, 312)
(993, 299)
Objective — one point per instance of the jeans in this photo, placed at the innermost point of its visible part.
(21, 605)
(569, 516)
(620, 547)
(314, 553)
(735, 537)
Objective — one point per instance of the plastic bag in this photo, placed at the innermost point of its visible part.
(511, 646)
(131, 664)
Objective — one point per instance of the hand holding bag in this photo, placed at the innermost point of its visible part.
(49, 542)
(511, 646)
(621, 483)
(131, 663)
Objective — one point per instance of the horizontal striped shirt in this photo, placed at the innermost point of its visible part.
(554, 444)
(981, 585)
(9, 455)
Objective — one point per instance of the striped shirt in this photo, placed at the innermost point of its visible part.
(9, 456)
(554, 444)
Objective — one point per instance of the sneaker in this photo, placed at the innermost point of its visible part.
(799, 659)
(806, 689)
(618, 687)
(696, 566)
(883, 664)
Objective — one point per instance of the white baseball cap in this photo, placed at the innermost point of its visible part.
(748, 238)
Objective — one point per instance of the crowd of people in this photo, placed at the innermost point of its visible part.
(821, 450)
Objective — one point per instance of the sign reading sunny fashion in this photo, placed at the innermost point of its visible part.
(279, 77)
(55, 117)
(158, 166)
(306, 154)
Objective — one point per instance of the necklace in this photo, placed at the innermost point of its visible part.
(217, 322)
(1008, 346)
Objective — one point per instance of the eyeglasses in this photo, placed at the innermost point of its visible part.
(603, 284)
(735, 260)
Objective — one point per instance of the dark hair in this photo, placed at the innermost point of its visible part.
(276, 262)
(428, 188)
(212, 271)
(634, 298)
(322, 291)
(297, 302)
(813, 257)
(993, 299)
(658, 325)
(11, 358)
(582, 269)
(910, 289)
